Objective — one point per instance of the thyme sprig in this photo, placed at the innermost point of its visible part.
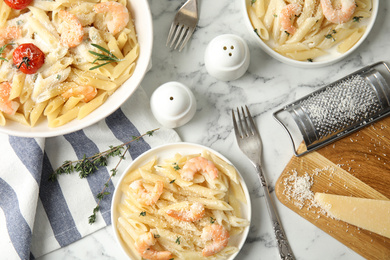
(109, 57)
(89, 165)
(103, 193)
(2, 50)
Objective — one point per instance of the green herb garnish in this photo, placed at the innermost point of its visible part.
(212, 220)
(310, 60)
(176, 167)
(25, 60)
(357, 18)
(177, 240)
(109, 57)
(89, 165)
(2, 50)
(143, 213)
(330, 35)
(172, 181)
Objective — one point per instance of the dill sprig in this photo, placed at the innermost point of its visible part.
(89, 165)
(109, 57)
(2, 50)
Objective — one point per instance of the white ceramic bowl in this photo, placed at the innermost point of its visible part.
(165, 152)
(143, 23)
(322, 61)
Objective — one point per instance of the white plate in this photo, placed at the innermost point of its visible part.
(165, 152)
(142, 16)
(322, 61)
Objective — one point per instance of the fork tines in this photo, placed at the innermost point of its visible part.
(179, 33)
(183, 25)
(246, 129)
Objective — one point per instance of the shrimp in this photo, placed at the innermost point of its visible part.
(117, 15)
(9, 33)
(197, 164)
(144, 196)
(195, 213)
(220, 237)
(286, 17)
(6, 105)
(88, 92)
(144, 244)
(340, 15)
(71, 30)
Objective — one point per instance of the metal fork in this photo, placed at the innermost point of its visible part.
(248, 140)
(183, 25)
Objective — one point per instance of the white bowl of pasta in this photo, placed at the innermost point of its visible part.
(183, 207)
(67, 93)
(312, 34)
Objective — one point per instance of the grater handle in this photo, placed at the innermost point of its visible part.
(275, 116)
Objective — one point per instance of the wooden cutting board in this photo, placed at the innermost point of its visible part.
(357, 165)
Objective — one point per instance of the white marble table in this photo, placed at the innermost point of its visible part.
(266, 86)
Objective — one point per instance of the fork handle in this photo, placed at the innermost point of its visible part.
(285, 251)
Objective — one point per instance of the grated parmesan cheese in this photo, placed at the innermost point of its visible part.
(298, 188)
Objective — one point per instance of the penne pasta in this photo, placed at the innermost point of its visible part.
(2, 119)
(68, 64)
(185, 207)
(92, 105)
(258, 25)
(350, 41)
(37, 112)
(17, 85)
(300, 30)
(306, 55)
(64, 118)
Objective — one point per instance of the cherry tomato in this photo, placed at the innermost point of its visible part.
(18, 4)
(28, 58)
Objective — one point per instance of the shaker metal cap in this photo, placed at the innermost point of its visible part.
(227, 57)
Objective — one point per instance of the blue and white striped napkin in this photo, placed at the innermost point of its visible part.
(38, 216)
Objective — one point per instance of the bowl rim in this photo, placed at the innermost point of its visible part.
(118, 98)
(117, 195)
(304, 64)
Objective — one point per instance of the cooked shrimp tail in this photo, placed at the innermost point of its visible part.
(71, 30)
(144, 246)
(199, 164)
(147, 197)
(195, 213)
(287, 15)
(220, 237)
(9, 33)
(6, 105)
(117, 15)
(341, 14)
(88, 92)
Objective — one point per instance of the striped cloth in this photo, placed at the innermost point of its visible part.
(38, 216)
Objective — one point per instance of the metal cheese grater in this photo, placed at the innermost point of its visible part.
(339, 108)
